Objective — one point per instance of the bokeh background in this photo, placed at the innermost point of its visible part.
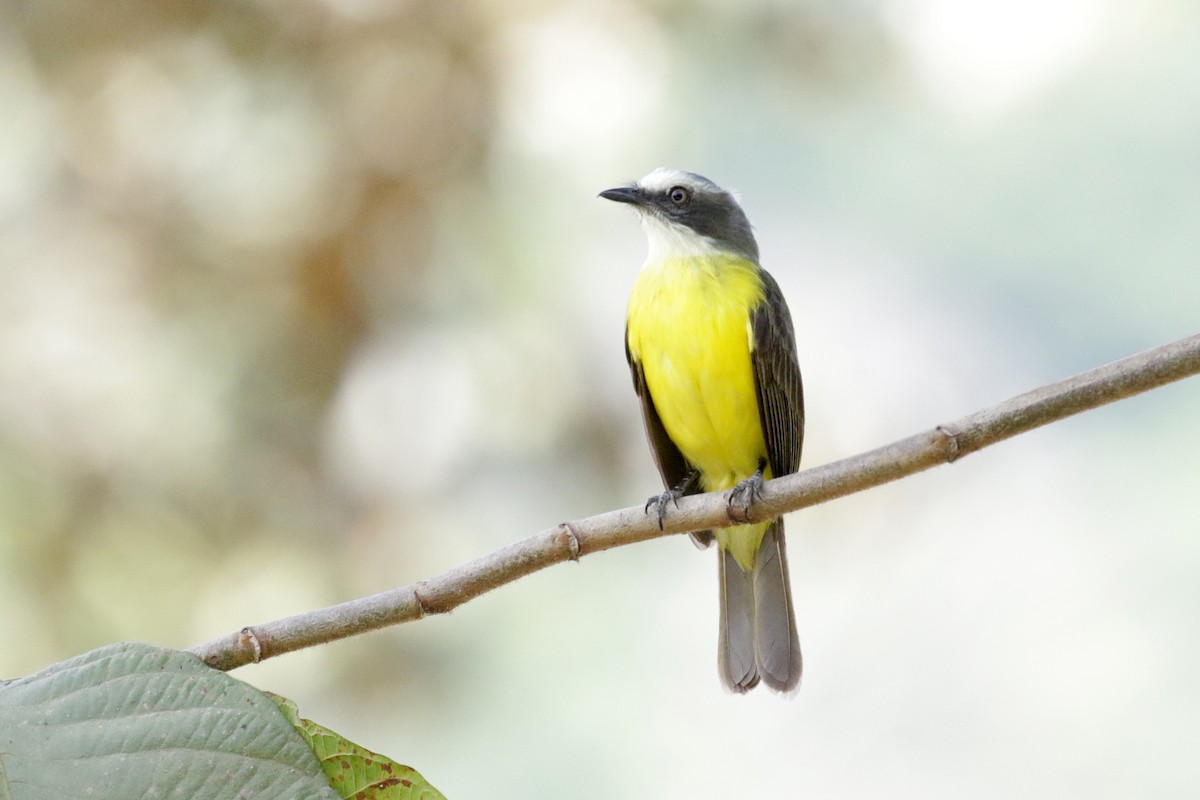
(303, 300)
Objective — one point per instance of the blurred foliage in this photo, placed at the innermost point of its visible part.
(230, 198)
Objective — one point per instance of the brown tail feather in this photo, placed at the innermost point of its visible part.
(758, 638)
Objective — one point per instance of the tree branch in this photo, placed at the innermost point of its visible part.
(572, 540)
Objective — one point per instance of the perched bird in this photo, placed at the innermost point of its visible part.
(710, 344)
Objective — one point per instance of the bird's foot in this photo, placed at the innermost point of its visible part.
(743, 496)
(661, 501)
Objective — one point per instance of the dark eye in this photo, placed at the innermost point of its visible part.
(679, 195)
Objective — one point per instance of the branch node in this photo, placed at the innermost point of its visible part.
(567, 537)
(952, 449)
(422, 604)
(247, 637)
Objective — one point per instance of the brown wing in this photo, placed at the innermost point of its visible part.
(672, 466)
(777, 380)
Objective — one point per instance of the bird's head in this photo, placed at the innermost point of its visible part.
(685, 214)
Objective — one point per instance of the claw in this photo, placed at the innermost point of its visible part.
(743, 496)
(660, 501)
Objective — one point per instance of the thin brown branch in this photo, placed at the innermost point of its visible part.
(570, 541)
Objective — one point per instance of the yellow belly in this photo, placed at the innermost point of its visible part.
(689, 327)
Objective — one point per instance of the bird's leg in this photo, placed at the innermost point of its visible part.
(745, 494)
(660, 501)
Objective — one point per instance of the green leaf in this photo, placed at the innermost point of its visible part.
(355, 772)
(134, 721)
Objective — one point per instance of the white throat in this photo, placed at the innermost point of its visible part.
(669, 241)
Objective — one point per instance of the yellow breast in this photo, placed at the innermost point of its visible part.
(689, 327)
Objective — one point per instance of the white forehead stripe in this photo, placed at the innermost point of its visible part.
(663, 179)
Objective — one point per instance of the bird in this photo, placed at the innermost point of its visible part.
(712, 352)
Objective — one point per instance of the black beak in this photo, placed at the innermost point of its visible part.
(624, 194)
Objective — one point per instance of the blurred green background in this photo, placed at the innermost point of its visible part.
(303, 300)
